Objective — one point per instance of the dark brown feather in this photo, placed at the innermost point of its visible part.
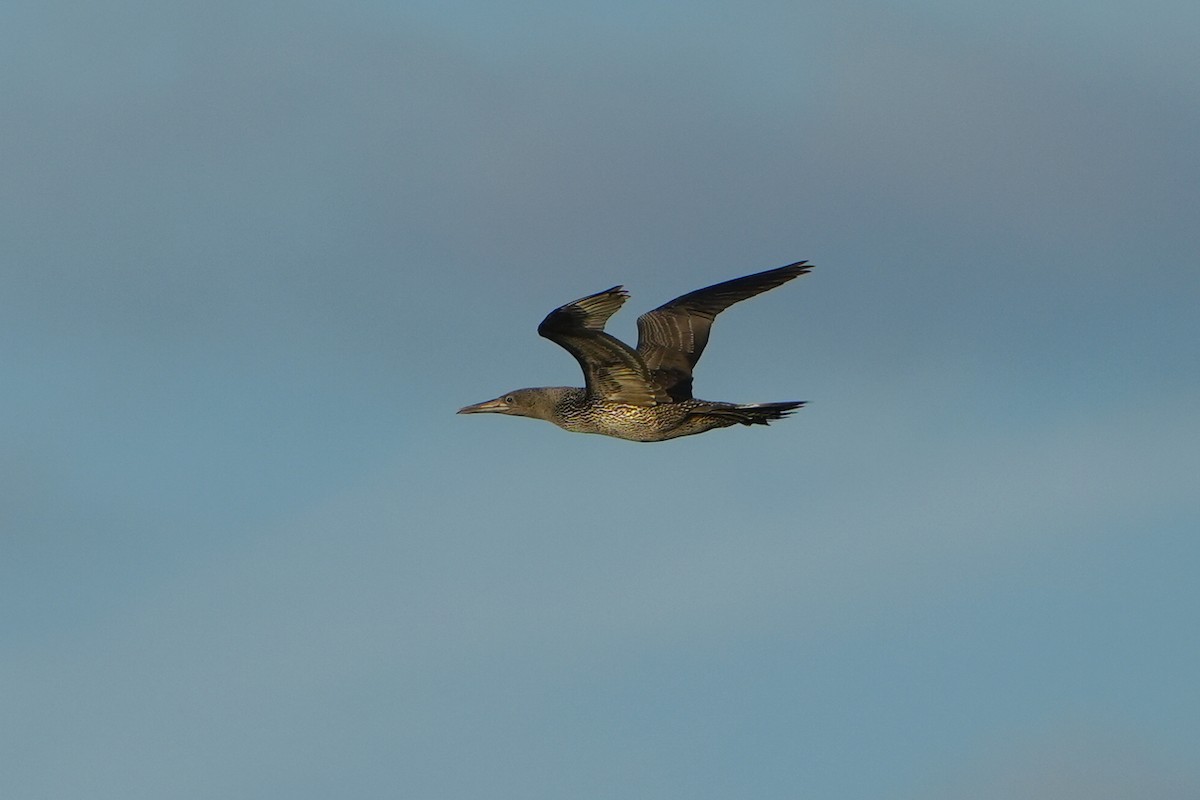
(613, 371)
(671, 338)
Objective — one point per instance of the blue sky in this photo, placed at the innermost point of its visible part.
(256, 254)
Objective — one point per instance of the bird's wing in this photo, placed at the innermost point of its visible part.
(672, 337)
(613, 370)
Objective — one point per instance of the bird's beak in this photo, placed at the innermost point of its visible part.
(497, 406)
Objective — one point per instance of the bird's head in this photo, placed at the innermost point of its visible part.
(537, 403)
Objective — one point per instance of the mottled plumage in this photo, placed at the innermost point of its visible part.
(644, 395)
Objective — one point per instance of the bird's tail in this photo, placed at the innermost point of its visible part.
(754, 413)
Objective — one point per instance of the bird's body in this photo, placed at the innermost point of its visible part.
(572, 410)
(643, 395)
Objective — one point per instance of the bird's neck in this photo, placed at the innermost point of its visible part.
(554, 402)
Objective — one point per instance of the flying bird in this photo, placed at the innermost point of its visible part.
(644, 395)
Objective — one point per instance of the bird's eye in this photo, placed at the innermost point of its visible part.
(510, 399)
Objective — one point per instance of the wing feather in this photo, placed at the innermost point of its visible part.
(613, 371)
(672, 337)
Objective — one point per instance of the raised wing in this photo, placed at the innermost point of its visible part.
(672, 337)
(613, 371)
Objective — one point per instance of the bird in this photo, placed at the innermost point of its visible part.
(642, 394)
